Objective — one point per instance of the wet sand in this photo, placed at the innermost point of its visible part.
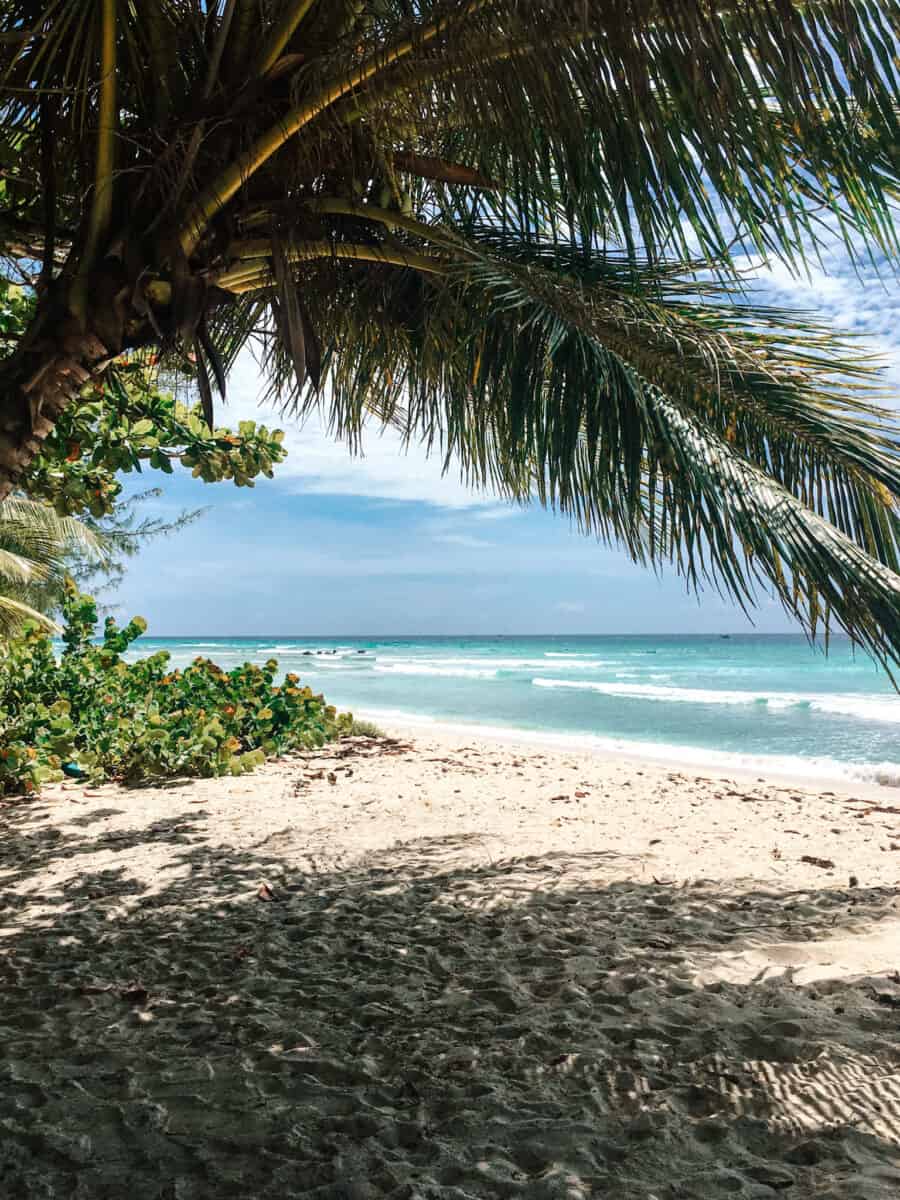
(449, 967)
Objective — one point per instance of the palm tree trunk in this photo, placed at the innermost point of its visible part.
(54, 361)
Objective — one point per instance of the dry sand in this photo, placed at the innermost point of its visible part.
(448, 967)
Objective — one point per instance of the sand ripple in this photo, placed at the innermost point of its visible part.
(424, 1022)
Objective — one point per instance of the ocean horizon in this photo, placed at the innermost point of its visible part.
(766, 702)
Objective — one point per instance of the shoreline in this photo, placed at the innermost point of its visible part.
(778, 769)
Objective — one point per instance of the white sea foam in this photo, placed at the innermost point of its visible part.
(449, 672)
(772, 766)
(503, 664)
(568, 654)
(867, 708)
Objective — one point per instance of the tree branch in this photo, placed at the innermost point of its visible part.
(383, 216)
(101, 202)
(435, 168)
(255, 269)
(232, 179)
(282, 34)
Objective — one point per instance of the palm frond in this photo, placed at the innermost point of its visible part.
(512, 229)
(723, 446)
(40, 534)
(35, 546)
(15, 613)
(19, 570)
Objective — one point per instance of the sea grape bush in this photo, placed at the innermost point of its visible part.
(142, 720)
(126, 424)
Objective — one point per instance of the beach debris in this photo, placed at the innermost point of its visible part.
(134, 993)
(854, 882)
(581, 795)
(825, 863)
(265, 892)
(95, 989)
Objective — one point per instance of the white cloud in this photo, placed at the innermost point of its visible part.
(319, 465)
(570, 606)
(865, 303)
(499, 514)
(464, 540)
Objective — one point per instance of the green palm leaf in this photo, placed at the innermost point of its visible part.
(35, 544)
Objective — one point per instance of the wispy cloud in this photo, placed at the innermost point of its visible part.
(863, 301)
(464, 540)
(570, 606)
(502, 513)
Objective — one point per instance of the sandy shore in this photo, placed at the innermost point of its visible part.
(447, 967)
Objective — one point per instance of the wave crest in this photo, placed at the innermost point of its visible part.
(865, 708)
(443, 672)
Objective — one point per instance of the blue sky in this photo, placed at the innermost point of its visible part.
(386, 545)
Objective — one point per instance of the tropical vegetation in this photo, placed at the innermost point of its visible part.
(90, 713)
(515, 229)
(125, 423)
(37, 547)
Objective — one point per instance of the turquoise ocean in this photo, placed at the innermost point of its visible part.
(766, 703)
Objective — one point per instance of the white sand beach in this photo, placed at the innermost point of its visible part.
(452, 967)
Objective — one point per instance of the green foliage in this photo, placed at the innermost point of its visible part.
(36, 545)
(363, 729)
(124, 425)
(16, 310)
(141, 720)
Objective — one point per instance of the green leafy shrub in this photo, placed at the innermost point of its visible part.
(141, 720)
(363, 729)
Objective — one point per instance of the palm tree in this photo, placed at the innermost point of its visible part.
(514, 228)
(35, 547)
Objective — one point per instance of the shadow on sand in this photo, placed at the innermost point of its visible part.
(418, 1026)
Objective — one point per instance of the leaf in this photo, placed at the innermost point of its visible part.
(206, 400)
(286, 308)
(313, 352)
(213, 355)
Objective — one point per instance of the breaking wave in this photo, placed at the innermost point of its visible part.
(866, 708)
